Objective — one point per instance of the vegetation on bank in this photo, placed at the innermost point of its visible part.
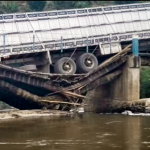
(28, 6)
(4, 106)
(145, 82)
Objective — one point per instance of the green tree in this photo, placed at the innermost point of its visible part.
(145, 82)
(9, 7)
(125, 2)
(71, 4)
(64, 4)
(83, 4)
(37, 5)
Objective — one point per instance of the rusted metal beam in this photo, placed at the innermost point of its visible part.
(27, 98)
(35, 60)
(103, 80)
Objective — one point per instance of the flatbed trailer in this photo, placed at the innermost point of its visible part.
(74, 40)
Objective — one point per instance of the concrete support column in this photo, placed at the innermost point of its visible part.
(124, 88)
(45, 68)
(127, 86)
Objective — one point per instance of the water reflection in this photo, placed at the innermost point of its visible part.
(133, 133)
(80, 132)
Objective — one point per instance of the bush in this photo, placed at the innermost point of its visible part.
(83, 4)
(71, 4)
(37, 5)
(4, 106)
(125, 2)
(64, 4)
(9, 7)
(145, 82)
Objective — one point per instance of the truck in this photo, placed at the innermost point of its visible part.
(74, 40)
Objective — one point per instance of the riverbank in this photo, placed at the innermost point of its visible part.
(4, 106)
(13, 113)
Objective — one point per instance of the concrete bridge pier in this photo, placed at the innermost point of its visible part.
(127, 86)
(124, 88)
(46, 67)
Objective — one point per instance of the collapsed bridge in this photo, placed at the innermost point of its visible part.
(31, 90)
(77, 57)
(113, 86)
(28, 85)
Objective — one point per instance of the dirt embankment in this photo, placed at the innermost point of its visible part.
(14, 113)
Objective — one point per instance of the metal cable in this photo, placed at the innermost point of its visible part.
(71, 56)
(93, 51)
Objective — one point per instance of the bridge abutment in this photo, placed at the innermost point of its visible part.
(124, 88)
(127, 86)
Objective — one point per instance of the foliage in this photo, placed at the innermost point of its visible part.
(49, 6)
(29, 6)
(125, 2)
(145, 82)
(63, 4)
(37, 5)
(83, 4)
(104, 3)
(71, 4)
(9, 7)
(4, 106)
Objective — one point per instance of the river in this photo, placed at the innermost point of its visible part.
(86, 131)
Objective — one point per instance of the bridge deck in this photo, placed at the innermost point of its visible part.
(15, 83)
(42, 84)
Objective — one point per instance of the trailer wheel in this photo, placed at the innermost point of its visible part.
(65, 65)
(86, 62)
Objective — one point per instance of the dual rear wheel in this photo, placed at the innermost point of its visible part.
(65, 65)
(84, 63)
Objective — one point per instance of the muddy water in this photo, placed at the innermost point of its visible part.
(80, 132)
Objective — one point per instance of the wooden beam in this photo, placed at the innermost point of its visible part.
(61, 102)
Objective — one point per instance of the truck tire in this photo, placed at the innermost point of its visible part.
(86, 62)
(65, 65)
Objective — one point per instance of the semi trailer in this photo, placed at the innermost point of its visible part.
(74, 40)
